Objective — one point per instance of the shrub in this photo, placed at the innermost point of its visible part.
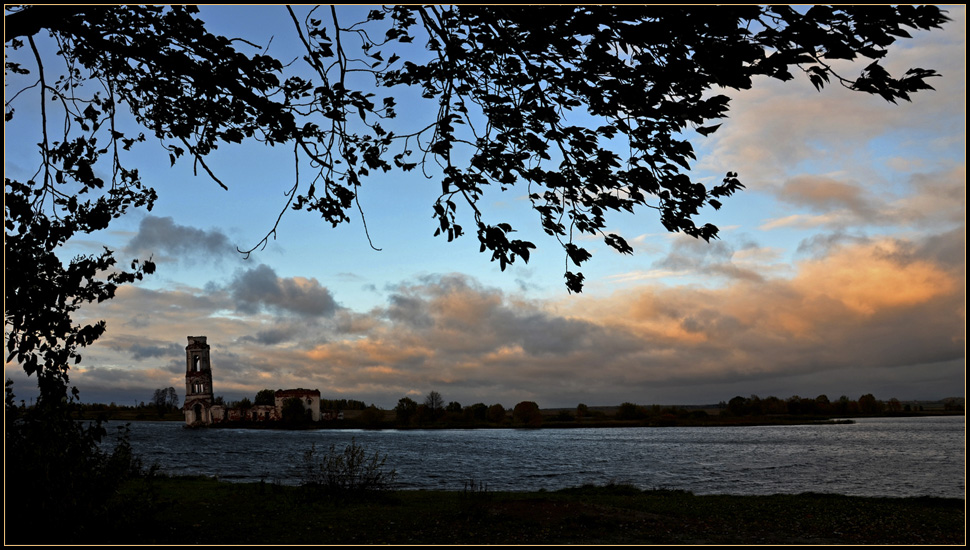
(347, 471)
(58, 473)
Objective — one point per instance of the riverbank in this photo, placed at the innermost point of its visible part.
(205, 511)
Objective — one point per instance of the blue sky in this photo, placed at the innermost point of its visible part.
(840, 270)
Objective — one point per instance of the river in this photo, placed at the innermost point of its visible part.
(897, 457)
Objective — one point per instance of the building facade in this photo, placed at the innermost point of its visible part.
(200, 408)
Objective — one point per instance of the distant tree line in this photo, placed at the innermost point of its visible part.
(342, 405)
(795, 405)
(434, 411)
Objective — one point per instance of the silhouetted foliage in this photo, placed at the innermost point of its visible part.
(243, 404)
(405, 410)
(477, 412)
(435, 404)
(59, 478)
(343, 404)
(868, 404)
(496, 414)
(346, 472)
(371, 417)
(165, 399)
(265, 397)
(631, 411)
(293, 412)
(526, 413)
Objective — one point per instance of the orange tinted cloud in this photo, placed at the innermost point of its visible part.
(872, 278)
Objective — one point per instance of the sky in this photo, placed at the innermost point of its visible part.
(841, 268)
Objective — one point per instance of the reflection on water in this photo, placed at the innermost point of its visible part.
(873, 457)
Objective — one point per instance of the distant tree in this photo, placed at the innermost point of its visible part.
(164, 400)
(160, 401)
(868, 404)
(800, 405)
(841, 406)
(774, 405)
(423, 414)
(496, 414)
(371, 417)
(526, 413)
(822, 404)
(293, 412)
(477, 412)
(435, 404)
(736, 406)
(631, 411)
(405, 410)
(242, 404)
(952, 404)
(265, 397)
(754, 405)
(894, 405)
(581, 411)
(453, 407)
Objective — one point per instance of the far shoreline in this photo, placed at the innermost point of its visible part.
(354, 423)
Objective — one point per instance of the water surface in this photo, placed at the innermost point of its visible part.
(873, 457)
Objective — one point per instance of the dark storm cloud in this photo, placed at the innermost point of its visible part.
(162, 236)
(260, 288)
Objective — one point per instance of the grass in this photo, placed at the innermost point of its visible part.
(205, 511)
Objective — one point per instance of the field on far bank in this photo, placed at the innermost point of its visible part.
(205, 511)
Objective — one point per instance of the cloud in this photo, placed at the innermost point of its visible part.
(162, 236)
(691, 256)
(779, 128)
(937, 199)
(824, 194)
(259, 288)
(926, 200)
(141, 349)
(854, 309)
(272, 336)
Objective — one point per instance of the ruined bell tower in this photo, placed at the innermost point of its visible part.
(198, 382)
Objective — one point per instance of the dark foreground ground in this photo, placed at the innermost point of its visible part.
(194, 510)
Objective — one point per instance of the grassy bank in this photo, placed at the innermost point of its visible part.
(197, 510)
